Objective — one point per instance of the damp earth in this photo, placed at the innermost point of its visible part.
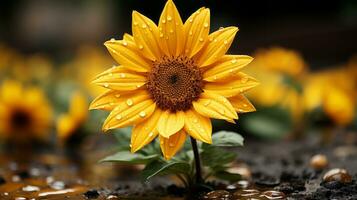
(300, 169)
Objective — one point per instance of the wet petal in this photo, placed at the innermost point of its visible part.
(112, 98)
(215, 106)
(130, 112)
(196, 31)
(241, 104)
(198, 126)
(170, 146)
(127, 54)
(127, 37)
(225, 66)
(145, 34)
(233, 85)
(217, 45)
(170, 123)
(171, 30)
(120, 78)
(144, 132)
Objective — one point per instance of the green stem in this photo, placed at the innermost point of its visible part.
(197, 160)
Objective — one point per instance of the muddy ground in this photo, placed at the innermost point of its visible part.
(273, 170)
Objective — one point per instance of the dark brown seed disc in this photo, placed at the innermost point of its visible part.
(174, 83)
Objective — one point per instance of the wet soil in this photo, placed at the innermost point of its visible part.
(272, 169)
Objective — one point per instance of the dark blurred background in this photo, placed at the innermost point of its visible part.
(325, 32)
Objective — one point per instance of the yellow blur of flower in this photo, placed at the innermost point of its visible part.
(24, 112)
(334, 91)
(88, 62)
(69, 123)
(280, 60)
(172, 79)
(273, 67)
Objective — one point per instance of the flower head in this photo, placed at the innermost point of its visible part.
(172, 79)
(24, 113)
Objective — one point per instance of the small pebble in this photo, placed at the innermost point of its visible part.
(30, 188)
(244, 171)
(218, 195)
(57, 185)
(319, 162)
(337, 174)
(271, 194)
(249, 193)
(242, 184)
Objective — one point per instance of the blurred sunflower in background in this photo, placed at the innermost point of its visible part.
(333, 92)
(172, 79)
(69, 124)
(25, 113)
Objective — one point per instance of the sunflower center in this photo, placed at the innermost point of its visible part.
(174, 83)
(20, 119)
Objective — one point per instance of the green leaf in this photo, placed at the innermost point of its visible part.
(164, 168)
(227, 139)
(215, 157)
(126, 157)
(231, 177)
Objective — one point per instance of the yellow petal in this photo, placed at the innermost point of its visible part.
(127, 37)
(171, 30)
(215, 106)
(196, 31)
(130, 112)
(225, 66)
(170, 123)
(120, 78)
(236, 84)
(127, 54)
(66, 126)
(112, 98)
(145, 34)
(10, 91)
(198, 126)
(241, 104)
(170, 146)
(144, 132)
(217, 45)
(78, 107)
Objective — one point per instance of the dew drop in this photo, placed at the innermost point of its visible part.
(240, 110)
(129, 102)
(201, 39)
(125, 43)
(122, 75)
(190, 33)
(106, 85)
(190, 20)
(151, 134)
(171, 31)
(117, 95)
(245, 105)
(206, 25)
(141, 47)
(225, 42)
(195, 120)
(171, 144)
(169, 18)
(233, 61)
(112, 40)
(163, 21)
(142, 114)
(144, 26)
(135, 23)
(118, 117)
(161, 35)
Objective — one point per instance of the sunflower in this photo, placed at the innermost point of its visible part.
(172, 79)
(24, 113)
(69, 123)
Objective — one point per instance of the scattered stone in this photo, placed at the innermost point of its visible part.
(218, 195)
(57, 185)
(271, 194)
(30, 188)
(340, 175)
(266, 180)
(91, 194)
(318, 162)
(243, 170)
(249, 193)
(242, 184)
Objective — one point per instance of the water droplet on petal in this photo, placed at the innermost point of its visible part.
(195, 120)
(151, 134)
(142, 114)
(171, 31)
(144, 26)
(206, 25)
(190, 33)
(190, 20)
(125, 43)
(122, 75)
(169, 18)
(141, 47)
(135, 23)
(117, 95)
(129, 102)
(161, 35)
(225, 42)
(201, 39)
(233, 61)
(106, 85)
(112, 40)
(163, 21)
(171, 144)
(118, 117)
